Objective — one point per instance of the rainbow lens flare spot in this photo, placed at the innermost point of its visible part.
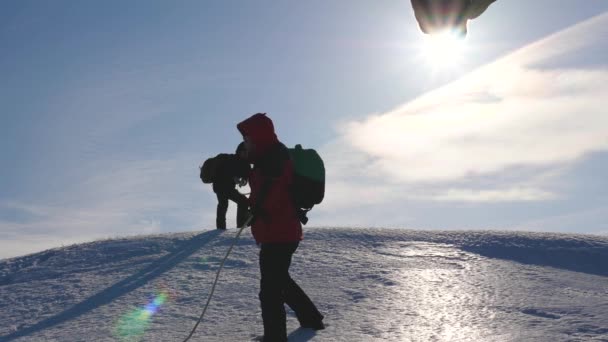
(132, 325)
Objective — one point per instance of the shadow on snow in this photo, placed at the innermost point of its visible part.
(572, 256)
(301, 335)
(123, 287)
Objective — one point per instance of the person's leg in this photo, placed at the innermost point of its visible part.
(242, 213)
(274, 268)
(241, 206)
(307, 313)
(222, 207)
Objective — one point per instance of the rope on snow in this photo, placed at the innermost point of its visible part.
(217, 276)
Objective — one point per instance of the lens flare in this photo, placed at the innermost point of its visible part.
(132, 325)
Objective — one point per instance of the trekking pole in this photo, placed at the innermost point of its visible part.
(217, 276)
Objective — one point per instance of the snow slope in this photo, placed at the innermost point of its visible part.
(372, 285)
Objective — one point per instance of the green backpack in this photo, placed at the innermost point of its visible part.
(308, 188)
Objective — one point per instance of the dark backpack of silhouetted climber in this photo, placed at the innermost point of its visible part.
(224, 172)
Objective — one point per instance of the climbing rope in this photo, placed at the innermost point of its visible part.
(217, 276)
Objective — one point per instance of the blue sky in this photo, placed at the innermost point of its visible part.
(109, 107)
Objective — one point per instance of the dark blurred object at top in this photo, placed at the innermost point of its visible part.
(439, 16)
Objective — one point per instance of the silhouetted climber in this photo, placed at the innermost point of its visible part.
(437, 16)
(276, 228)
(225, 171)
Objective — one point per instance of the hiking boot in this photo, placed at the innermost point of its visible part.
(314, 326)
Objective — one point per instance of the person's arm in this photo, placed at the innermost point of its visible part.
(271, 169)
(256, 209)
(241, 171)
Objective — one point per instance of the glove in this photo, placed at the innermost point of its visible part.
(302, 215)
(241, 182)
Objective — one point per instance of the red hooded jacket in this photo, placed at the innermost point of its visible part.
(270, 183)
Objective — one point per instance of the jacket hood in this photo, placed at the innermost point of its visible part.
(260, 130)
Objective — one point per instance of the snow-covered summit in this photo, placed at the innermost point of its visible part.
(371, 284)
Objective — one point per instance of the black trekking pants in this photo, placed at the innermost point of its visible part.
(277, 288)
(222, 207)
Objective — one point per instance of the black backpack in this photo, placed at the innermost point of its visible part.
(211, 167)
(308, 188)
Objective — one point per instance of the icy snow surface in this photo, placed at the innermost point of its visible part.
(371, 284)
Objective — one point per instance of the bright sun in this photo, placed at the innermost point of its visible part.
(443, 51)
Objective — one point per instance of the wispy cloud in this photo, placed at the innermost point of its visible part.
(513, 194)
(530, 113)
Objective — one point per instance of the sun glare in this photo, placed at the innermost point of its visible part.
(442, 51)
